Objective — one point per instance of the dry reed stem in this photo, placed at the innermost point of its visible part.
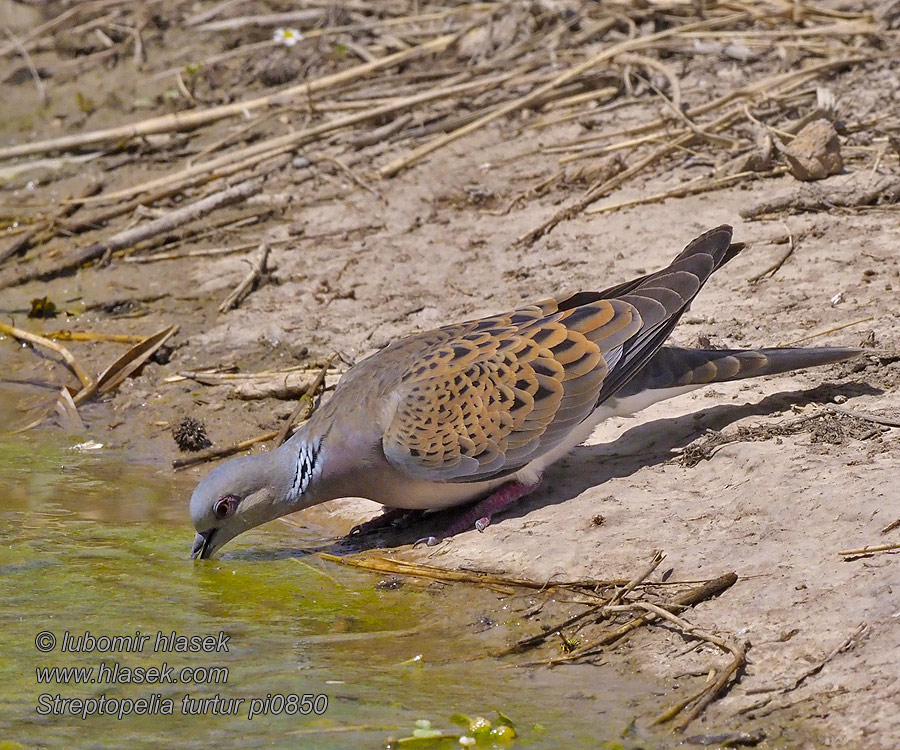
(250, 155)
(703, 185)
(769, 85)
(118, 338)
(788, 81)
(154, 228)
(643, 42)
(405, 567)
(193, 119)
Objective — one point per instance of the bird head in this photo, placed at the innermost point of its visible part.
(248, 491)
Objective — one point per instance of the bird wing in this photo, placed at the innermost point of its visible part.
(482, 399)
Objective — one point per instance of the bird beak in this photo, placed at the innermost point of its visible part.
(201, 548)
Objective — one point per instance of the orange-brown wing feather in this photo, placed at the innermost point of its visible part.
(485, 398)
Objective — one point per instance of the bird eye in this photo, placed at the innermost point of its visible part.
(225, 506)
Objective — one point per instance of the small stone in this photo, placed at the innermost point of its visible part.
(190, 435)
(815, 153)
(163, 355)
(279, 70)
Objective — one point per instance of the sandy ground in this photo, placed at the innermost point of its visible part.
(427, 248)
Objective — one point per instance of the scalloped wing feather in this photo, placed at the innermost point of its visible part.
(480, 400)
(485, 398)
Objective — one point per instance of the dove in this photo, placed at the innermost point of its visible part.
(473, 413)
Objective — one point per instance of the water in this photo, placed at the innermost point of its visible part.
(97, 543)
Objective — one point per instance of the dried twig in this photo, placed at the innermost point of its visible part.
(850, 641)
(256, 272)
(132, 236)
(377, 135)
(703, 185)
(35, 76)
(713, 688)
(830, 330)
(306, 404)
(216, 453)
(595, 610)
(773, 269)
(869, 550)
(864, 416)
(68, 357)
(688, 598)
(119, 338)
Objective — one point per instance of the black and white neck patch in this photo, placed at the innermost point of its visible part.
(306, 465)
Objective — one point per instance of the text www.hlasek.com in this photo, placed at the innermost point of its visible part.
(117, 674)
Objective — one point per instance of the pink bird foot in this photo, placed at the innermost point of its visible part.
(479, 515)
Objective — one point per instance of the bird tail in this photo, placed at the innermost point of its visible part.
(674, 367)
(660, 300)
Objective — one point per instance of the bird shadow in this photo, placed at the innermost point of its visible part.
(588, 466)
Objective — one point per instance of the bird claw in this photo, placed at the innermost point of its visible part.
(482, 523)
(428, 541)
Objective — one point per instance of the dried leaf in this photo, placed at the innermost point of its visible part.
(67, 413)
(127, 364)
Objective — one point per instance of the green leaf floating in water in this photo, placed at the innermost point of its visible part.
(480, 733)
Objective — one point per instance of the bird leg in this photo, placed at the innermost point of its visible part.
(479, 514)
(391, 518)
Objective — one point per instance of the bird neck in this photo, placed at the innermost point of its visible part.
(301, 464)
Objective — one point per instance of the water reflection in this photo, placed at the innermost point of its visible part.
(97, 543)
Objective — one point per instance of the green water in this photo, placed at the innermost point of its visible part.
(93, 542)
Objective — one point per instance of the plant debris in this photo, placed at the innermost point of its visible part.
(827, 426)
(42, 307)
(190, 435)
